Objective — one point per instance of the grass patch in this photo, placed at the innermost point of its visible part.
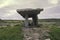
(55, 33)
(11, 33)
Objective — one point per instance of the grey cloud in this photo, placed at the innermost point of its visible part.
(53, 12)
(1, 1)
(30, 4)
(16, 17)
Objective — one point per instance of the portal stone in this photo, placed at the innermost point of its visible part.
(30, 13)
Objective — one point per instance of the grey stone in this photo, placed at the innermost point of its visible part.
(30, 13)
(34, 33)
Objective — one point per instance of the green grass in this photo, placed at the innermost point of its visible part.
(11, 33)
(15, 32)
(55, 33)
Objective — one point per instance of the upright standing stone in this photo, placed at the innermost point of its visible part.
(26, 21)
(35, 20)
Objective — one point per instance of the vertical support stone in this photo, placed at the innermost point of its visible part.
(26, 20)
(35, 20)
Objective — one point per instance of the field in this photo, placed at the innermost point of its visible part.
(11, 33)
(12, 29)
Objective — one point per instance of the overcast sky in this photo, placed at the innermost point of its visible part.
(8, 8)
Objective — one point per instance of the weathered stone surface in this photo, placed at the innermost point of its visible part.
(30, 13)
(34, 33)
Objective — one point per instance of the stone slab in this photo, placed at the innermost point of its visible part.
(34, 33)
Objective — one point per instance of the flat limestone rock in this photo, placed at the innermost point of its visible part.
(34, 33)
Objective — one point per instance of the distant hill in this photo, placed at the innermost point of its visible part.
(49, 20)
(41, 20)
